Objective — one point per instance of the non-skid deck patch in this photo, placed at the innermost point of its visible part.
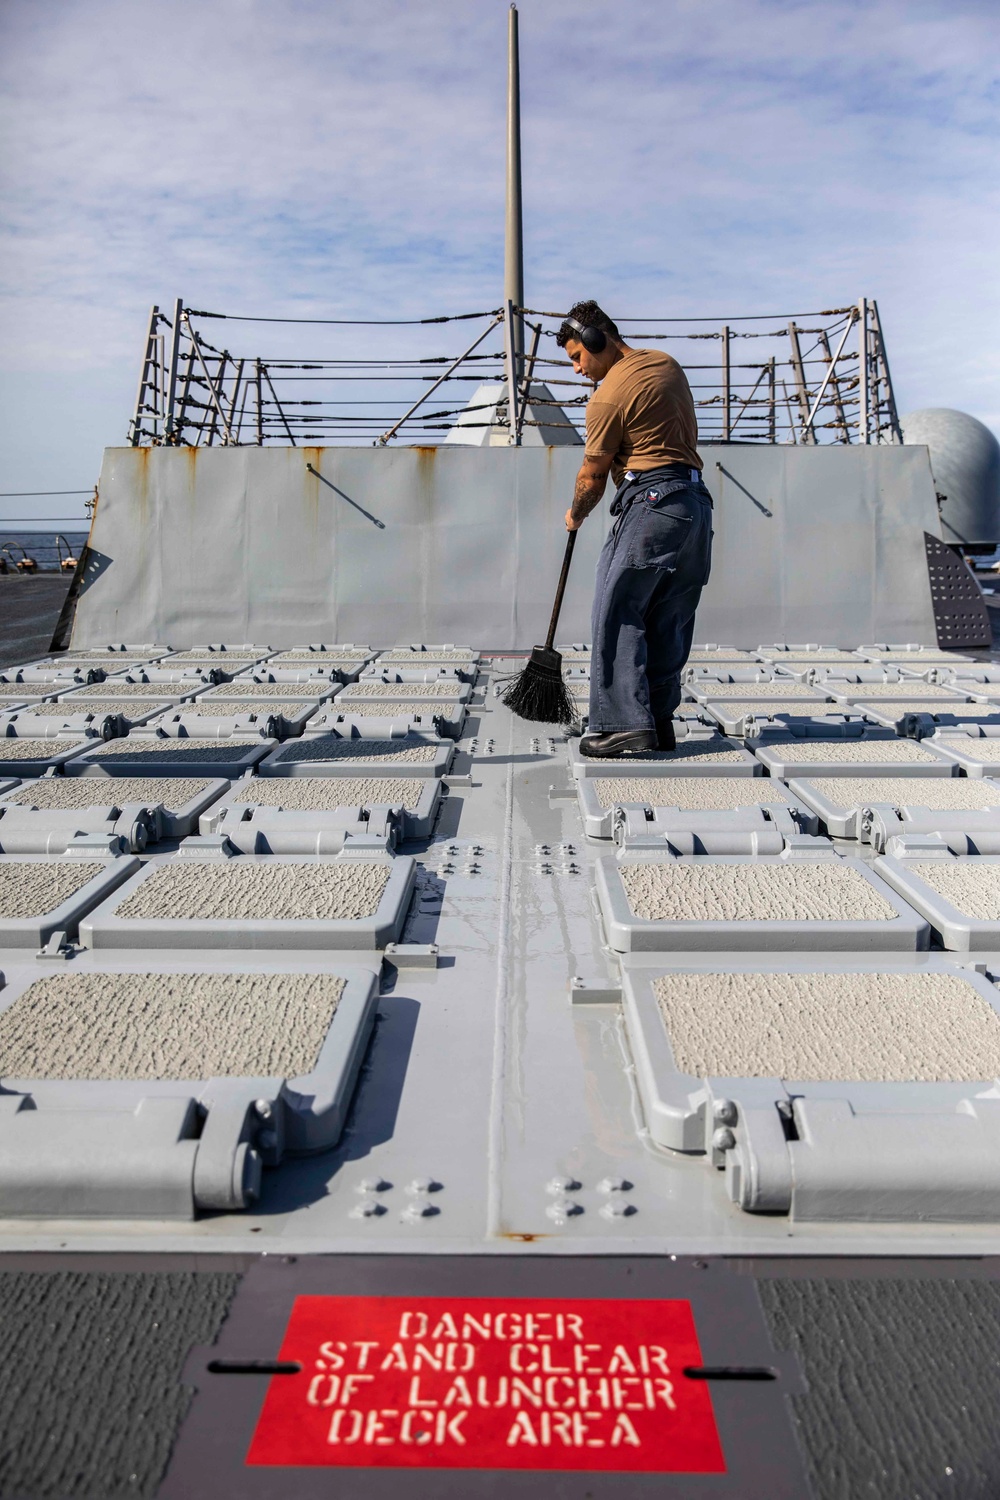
(906, 658)
(429, 657)
(31, 889)
(852, 751)
(321, 654)
(863, 1027)
(806, 658)
(983, 748)
(131, 708)
(400, 690)
(68, 792)
(684, 755)
(149, 752)
(970, 885)
(222, 653)
(310, 793)
(781, 688)
(951, 793)
(247, 688)
(769, 708)
(12, 748)
(230, 708)
(112, 688)
(929, 691)
(235, 891)
(163, 1026)
(827, 891)
(332, 747)
(702, 793)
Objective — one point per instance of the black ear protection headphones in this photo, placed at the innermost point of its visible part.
(594, 340)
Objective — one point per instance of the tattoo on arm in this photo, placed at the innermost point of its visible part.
(590, 486)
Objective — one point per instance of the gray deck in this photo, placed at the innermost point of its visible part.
(484, 1079)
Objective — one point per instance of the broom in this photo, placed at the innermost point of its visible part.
(539, 692)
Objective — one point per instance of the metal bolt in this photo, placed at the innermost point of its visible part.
(725, 1112)
(563, 1209)
(423, 1185)
(617, 1208)
(614, 1185)
(373, 1185)
(262, 1108)
(562, 1185)
(419, 1209)
(368, 1208)
(723, 1139)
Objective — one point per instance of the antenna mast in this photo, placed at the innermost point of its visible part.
(513, 278)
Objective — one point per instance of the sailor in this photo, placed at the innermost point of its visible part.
(641, 428)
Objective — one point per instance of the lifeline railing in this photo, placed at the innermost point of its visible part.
(803, 378)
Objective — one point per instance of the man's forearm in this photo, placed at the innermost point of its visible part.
(590, 487)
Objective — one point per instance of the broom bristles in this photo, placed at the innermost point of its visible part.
(539, 692)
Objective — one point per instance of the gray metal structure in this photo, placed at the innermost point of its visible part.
(819, 542)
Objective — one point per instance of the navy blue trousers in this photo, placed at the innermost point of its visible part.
(650, 575)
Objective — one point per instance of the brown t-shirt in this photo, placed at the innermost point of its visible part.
(642, 414)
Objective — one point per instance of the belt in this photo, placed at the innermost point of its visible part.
(679, 471)
(634, 477)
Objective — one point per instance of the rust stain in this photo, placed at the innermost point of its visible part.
(314, 456)
(523, 1239)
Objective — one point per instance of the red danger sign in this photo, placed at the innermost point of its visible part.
(489, 1383)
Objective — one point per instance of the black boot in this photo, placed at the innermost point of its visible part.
(618, 746)
(665, 737)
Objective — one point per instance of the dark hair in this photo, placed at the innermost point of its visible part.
(591, 316)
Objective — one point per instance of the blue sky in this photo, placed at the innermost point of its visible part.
(346, 157)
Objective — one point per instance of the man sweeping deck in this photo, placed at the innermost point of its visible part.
(641, 428)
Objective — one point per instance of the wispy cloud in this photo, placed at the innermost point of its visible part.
(681, 156)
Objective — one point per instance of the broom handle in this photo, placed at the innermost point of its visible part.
(570, 544)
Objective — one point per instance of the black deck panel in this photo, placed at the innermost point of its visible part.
(29, 611)
(888, 1377)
